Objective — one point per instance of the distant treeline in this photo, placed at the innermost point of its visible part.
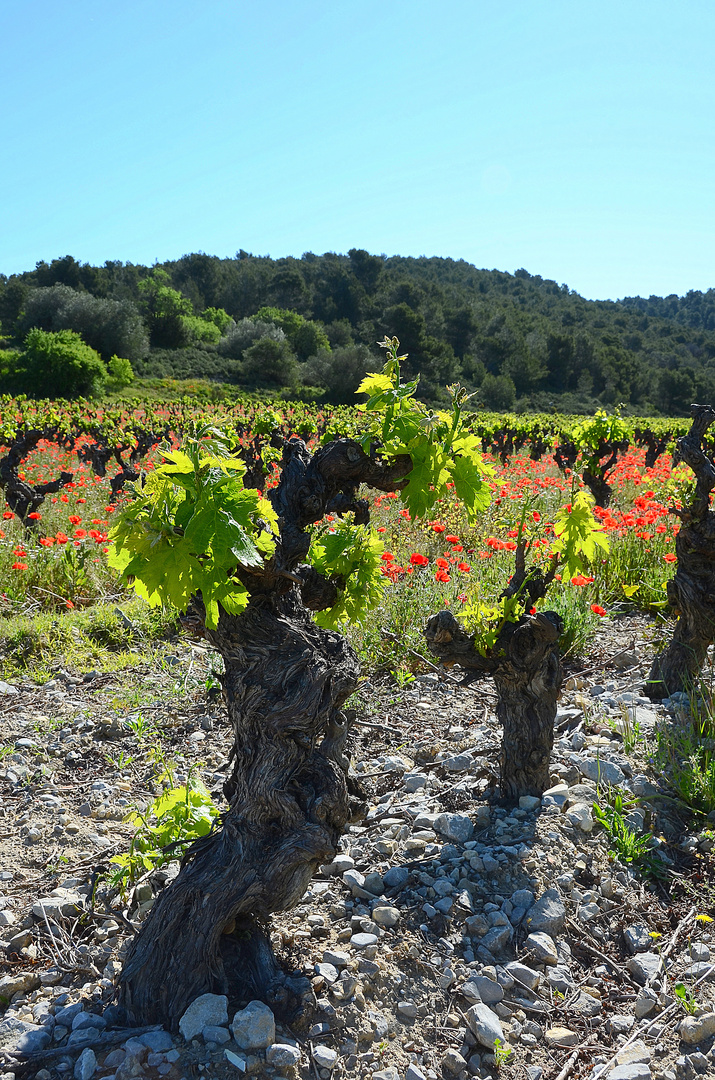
(310, 326)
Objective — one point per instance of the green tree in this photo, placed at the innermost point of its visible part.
(498, 392)
(305, 336)
(269, 363)
(166, 311)
(61, 365)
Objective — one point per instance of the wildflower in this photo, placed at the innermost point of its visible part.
(581, 580)
(387, 556)
(442, 564)
(19, 566)
(74, 520)
(34, 516)
(670, 557)
(79, 534)
(452, 539)
(442, 576)
(418, 560)
(8, 515)
(464, 567)
(536, 516)
(47, 541)
(61, 538)
(598, 610)
(438, 528)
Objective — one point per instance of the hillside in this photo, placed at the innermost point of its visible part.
(515, 337)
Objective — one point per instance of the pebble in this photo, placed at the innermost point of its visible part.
(695, 1029)
(485, 1025)
(644, 966)
(561, 1036)
(630, 1072)
(543, 948)
(254, 1028)
(457, 827)
(208, 1009)
(637, 938)
(86, 1065)
(384, 915)
(325, 1057)
(282, 1055)
(548, 914)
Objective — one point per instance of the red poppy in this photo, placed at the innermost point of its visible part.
(452, 539)
(387, 556)
(442, 564)
(438, 528)
(74, 520)
(598, 610)
(19, 566)
(670, 557)
(7, 515)
(34, 516)
(442, 576)
(464, 567)
(418, 560)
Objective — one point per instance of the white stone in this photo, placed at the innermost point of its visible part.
(325, 1057)
(457, 827)
(384, 915)
(254, 1028)
(543, 948)
(203, 1011)
(484, 1025)
(282, 1055)
(695, 1029)
(86, 1065)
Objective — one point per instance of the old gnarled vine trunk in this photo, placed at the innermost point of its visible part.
(289, 794)
(526, 668)
(285, 682)
(691, 593)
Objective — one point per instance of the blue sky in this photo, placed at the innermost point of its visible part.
(574, 139)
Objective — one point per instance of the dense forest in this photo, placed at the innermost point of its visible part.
(308, 327)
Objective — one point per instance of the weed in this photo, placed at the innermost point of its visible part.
(142, 727)
(175, 819)
(625, 844)
(502, 1053)
(686, 997)
(685, 753)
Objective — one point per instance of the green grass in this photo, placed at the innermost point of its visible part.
(98, 639)
(685, 754)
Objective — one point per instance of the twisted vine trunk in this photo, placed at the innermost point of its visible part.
(691, 593)
(526, 667)
(285, 682)
(289, 795)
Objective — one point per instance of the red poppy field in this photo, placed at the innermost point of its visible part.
(55, 559)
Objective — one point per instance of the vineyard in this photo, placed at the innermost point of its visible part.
(299, 547)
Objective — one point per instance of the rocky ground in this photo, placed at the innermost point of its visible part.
(449, 938)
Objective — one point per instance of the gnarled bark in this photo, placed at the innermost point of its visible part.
(285, 682)
(691, 593)
(526, 668)
(289, 794)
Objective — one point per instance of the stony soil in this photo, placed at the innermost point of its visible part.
(445, 923)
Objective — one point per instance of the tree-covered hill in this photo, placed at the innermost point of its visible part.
(310, 325)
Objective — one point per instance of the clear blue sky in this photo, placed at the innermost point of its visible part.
(574, 139)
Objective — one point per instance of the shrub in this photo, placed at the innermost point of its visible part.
(112, 327)
(61, 365)
(498, 393)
